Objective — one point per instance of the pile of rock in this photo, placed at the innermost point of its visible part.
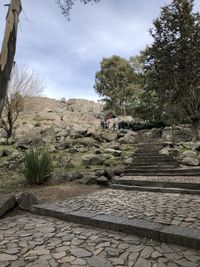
(24, 201)
(189, 153)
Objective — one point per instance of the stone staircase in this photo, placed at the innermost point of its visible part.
(148, 161)
(153, 171)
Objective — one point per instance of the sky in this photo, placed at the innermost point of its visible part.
(67, 54)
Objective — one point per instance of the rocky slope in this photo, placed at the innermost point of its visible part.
(41, 113)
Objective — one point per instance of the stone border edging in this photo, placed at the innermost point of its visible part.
(7, 202)
(163, 184)
(183, 236)
(155, 189)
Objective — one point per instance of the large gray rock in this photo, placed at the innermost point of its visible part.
(113, 152)
(128, 138)
(164, 151)
(94, 159)
(190, 153)
(128, 161)
(153, 133)
(180, 133)
(190, 161)
(113, 145)
(38, 142)
(102, 181)
(27, 200)
(88, 142)
(109, 136)
(196, 146)
(7, 202)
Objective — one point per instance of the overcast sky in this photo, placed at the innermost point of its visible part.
(68, 54)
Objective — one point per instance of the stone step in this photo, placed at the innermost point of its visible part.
(162, 173)
(152, 160)
(153, 167)
(184, 236)
(158, 157)
(162, 163)
(158, 184)
(146, 153)
(158, 189)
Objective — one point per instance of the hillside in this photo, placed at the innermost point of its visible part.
(41, 112)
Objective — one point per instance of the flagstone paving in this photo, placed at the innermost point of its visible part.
(31, 240)
(171, 209)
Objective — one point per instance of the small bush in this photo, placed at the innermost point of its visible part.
(37, 166)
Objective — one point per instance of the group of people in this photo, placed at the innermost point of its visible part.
(105, 124)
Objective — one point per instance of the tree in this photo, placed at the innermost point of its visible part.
(146, 107)
(23, 84)
(117, 83)
(66, 5)
(8, 48)
(173, 68)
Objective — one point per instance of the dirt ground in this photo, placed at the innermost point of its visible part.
(57, 193)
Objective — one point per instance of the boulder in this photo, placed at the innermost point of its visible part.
(128, 161)
(196, 146)
(128, 138)
(7, 202)
(113, 145)
(190, 161)
(90, 179)
(24, 144)
(88, 142)
(109, 174)
(190, 153)
(109, 136)
(164, 151)
(94, 159)
(116, 153)
(1, 151)
(102, 181)
(38, 142)
(65, 161)
(26, 200)
(5, 152)
(180, 133)
(153, 133)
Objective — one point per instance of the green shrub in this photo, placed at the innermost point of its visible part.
(37, 166)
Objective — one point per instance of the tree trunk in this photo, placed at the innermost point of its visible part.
(8, 48)
(195, 129)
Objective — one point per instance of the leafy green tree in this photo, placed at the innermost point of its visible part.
(173, 65)
(146, 107)
(117, 83)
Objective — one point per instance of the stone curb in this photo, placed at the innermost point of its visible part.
(6, 204)
(183, 236)
(163, 184)
(159, 173)
(155, 189)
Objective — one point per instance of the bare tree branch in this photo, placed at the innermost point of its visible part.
(66, 5)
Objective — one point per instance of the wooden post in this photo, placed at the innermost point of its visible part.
(8, 48)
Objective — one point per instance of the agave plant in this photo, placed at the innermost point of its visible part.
(37, 166)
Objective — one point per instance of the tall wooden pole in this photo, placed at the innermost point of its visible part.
(8, 48)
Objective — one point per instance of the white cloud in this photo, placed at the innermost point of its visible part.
(68, 54)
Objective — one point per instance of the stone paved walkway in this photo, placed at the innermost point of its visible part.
(35, 241)
(175, 209)
(171, 179)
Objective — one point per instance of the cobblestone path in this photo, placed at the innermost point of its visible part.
(35, 241)
(175, 209)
